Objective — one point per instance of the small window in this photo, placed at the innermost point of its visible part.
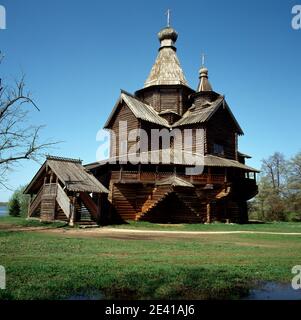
(218, 149)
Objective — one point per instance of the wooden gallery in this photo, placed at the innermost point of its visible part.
(155, 189)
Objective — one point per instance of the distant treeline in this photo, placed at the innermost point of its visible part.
(2, 204)
(279, 197)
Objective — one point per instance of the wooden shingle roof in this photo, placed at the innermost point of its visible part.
(176, 157)
(204, 114)
(72, 175)
(174, 181)
(166, 70)
(139, 109)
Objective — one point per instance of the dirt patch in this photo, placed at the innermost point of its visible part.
(12, 228)
(129, 234)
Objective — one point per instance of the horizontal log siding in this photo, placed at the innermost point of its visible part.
(124, 114)
(221, 130)
(170, 99)
(161, 98)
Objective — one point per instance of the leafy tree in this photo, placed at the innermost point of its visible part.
(294, 185)
(14, 207)
(22, 199)
(279, 196)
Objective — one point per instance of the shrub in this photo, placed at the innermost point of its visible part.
(23, 201)
(14, 207)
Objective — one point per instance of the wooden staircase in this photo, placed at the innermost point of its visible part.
(191, 201)
(64, 203)
(54, 204)
(35, 203)
(158, 195)
(60, 215)
(84, 217)
(86, 211)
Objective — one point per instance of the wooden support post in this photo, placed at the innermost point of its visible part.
(29, 205)
(120, 173)
(156, 174)
(209, 175)
(99, 209)
(139, 172)
(226, 173)
(208, 212)
(72, 211)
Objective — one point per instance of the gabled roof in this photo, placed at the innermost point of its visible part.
(174, 181)
(72, 175)
(201, 115)
(139, 109)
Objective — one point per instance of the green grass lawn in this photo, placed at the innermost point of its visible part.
(58, 266)
(22, 222)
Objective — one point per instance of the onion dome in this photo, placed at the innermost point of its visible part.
(204, 84)
(167, 69)
(167, 36)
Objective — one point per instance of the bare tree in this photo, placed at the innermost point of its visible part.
(18, 139)
(275, 169)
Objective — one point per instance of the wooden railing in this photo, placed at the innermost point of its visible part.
(35, 202)
(63, 201)
(152, 177)
(50, 189)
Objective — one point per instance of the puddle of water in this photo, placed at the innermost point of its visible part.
(274, 291)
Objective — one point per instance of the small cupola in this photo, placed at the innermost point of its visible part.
(204, 84)
(168, 37)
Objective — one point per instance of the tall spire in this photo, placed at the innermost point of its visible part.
(168, 17)
(167, 69)
(204, 84)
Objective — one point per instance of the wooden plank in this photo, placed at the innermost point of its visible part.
(63, 201)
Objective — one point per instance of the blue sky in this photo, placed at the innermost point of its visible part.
(77, 55)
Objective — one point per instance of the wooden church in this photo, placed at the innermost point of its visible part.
(193, 172)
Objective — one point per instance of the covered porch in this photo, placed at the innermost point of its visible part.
(63, 190)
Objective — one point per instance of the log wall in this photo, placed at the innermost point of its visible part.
(124, 114)
(221, 130)
(161, 98)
